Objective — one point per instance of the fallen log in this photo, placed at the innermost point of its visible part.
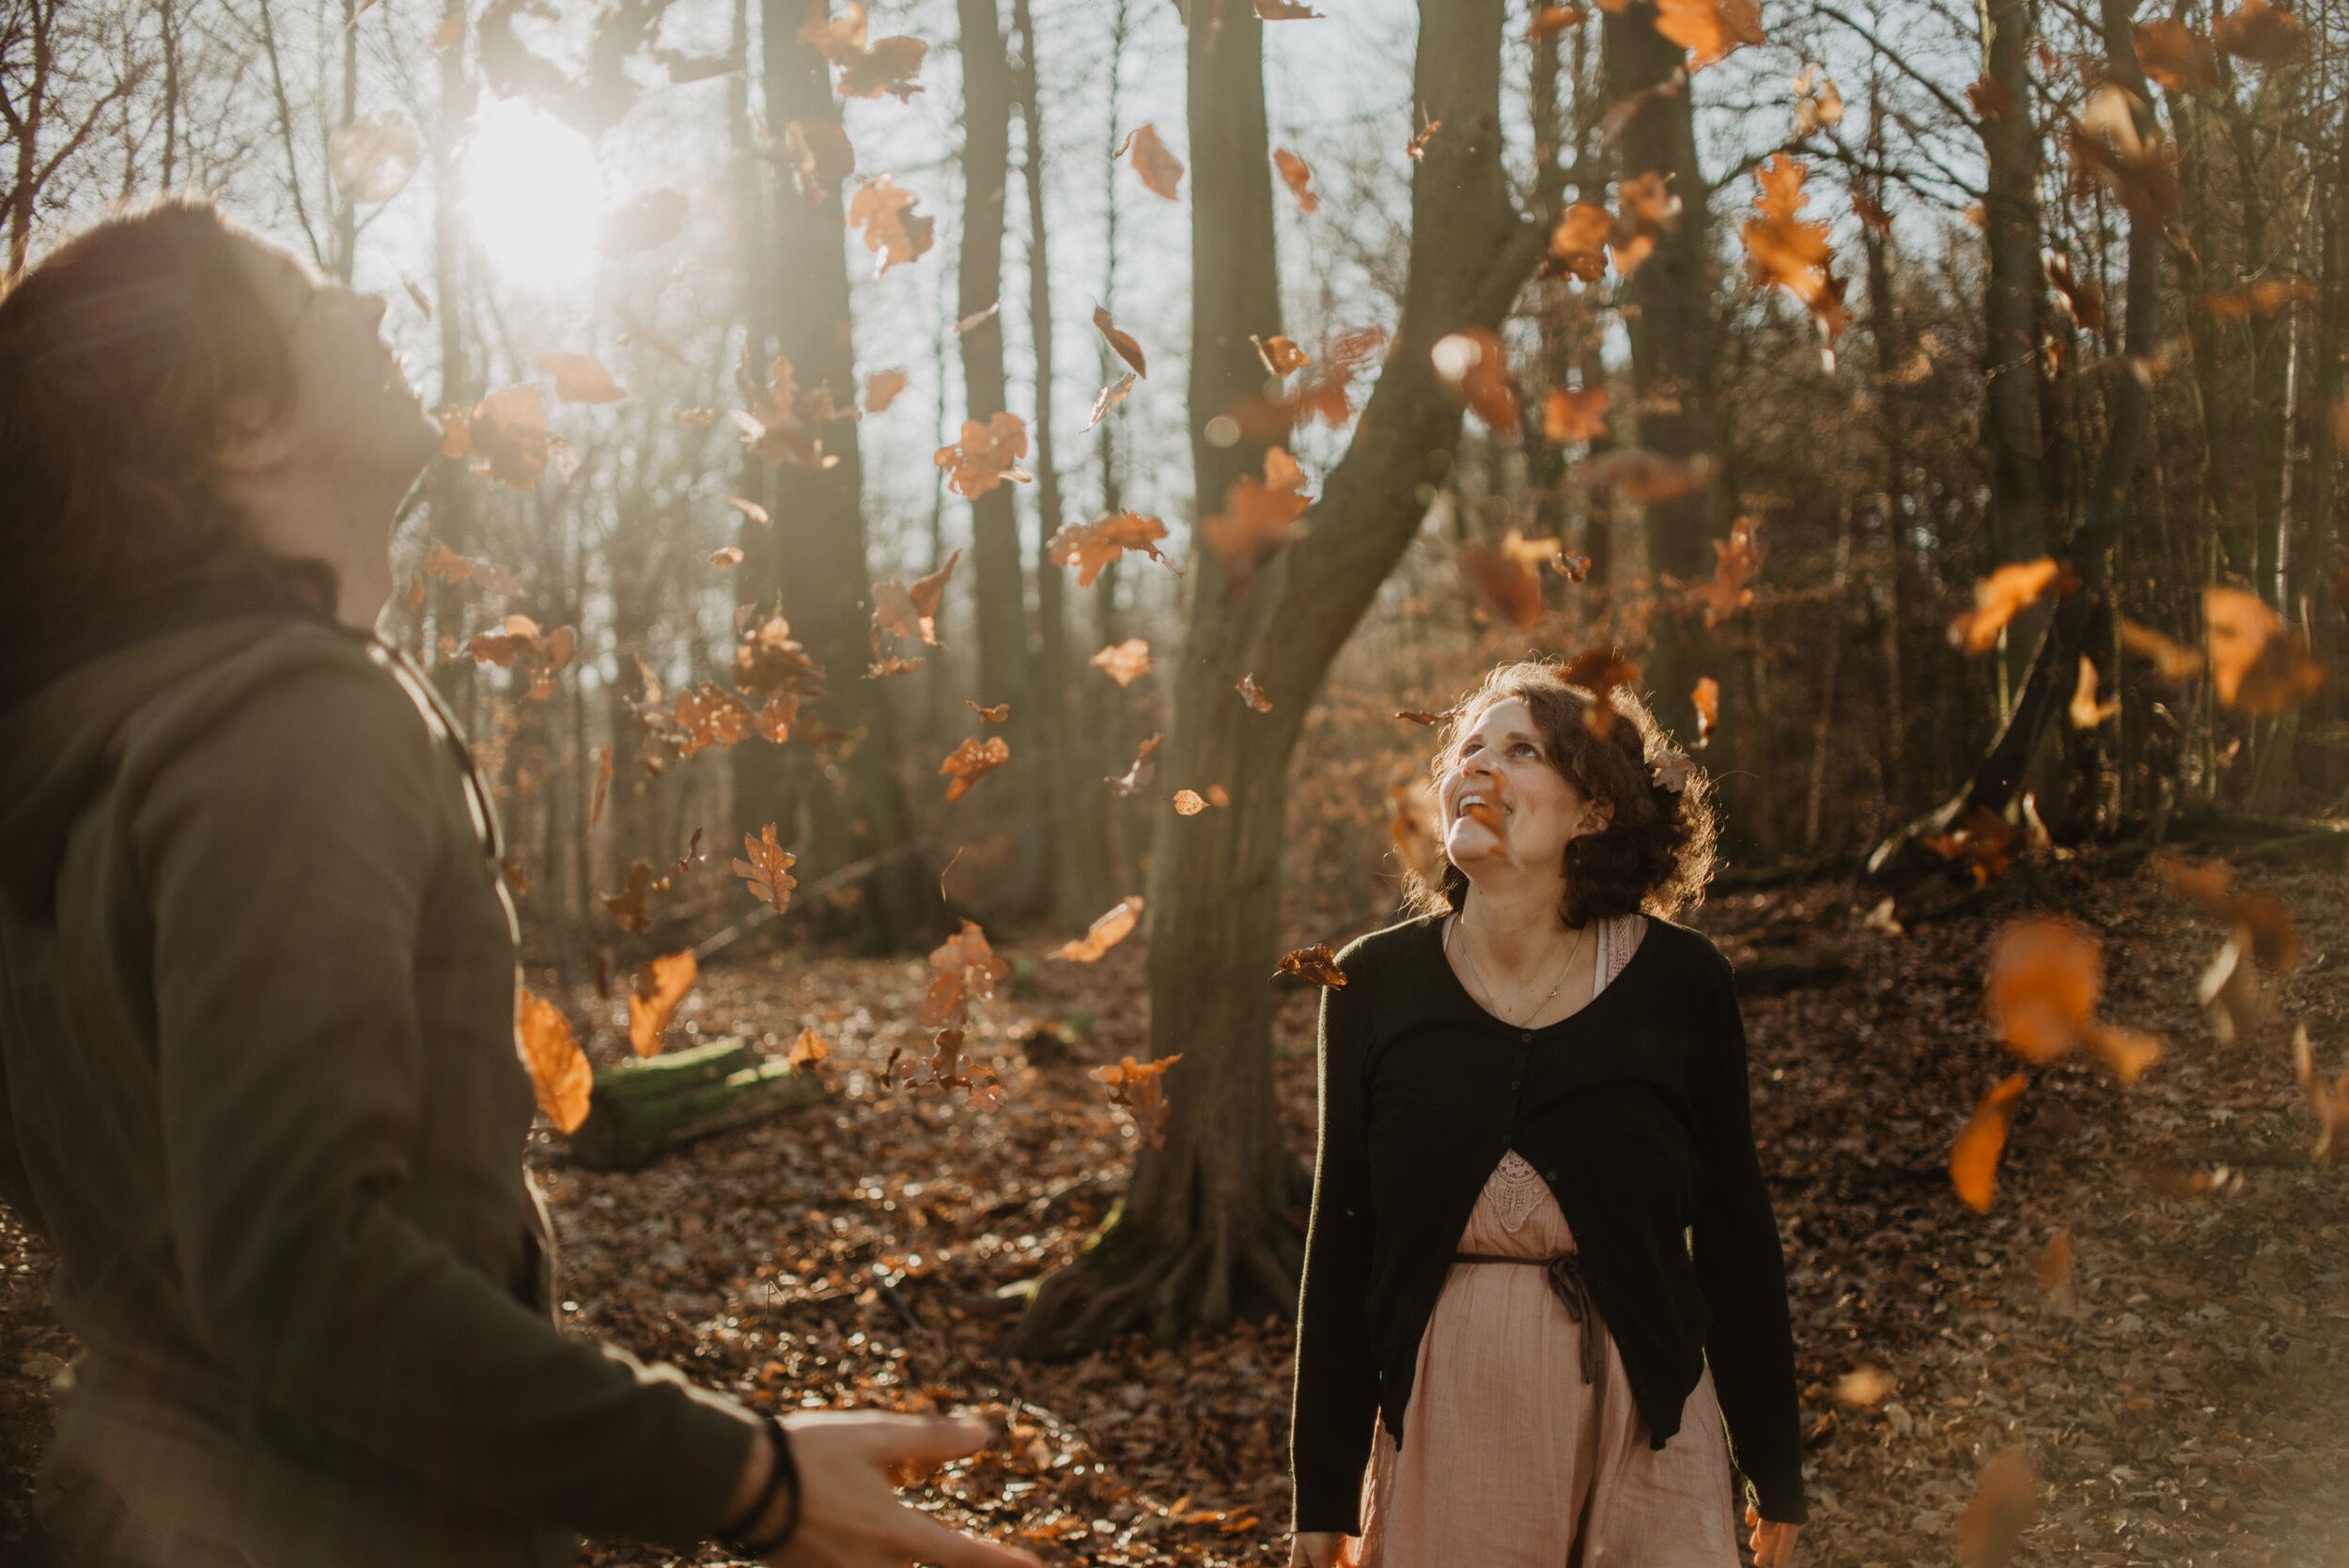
(642, 1110)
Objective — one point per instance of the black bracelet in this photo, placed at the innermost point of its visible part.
(783, 1474)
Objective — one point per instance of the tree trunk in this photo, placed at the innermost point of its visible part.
(1669, 316)
(1082, 887)
(997, 580)
(1208, 1228)
(449, 486)
(813, 558)
(1884, 329)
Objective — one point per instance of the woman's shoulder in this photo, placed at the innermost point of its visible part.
(1383, 950)
(1683, 951)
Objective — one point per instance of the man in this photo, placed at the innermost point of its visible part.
(257, 1080)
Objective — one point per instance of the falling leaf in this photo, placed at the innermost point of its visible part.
(1103, 933)
(2257, 664)
(2138, 164)
(725, 558)
(1297, 177)
(750, 509)
(603, 785)
(630, 906)
(1136, 777)
(767, 873)
(887, 66)
(1160, 170)
(773, 719)
(2176, 56)
(2054, 1268)
(1818, 103)
(581, 379)
(1579, 239)
(807, 1050)
(1110, 396)
(1091, 546)
(1989, 97)
(1140, 1087)
(1572, 413)
(518, 644)
(1709, 30)
(995, 715)
(782, 423)
(1598, 671)
(1974, 1159)
(1983, 838)
(2086, 712)
(2260, 33)
(966, 969)
(987, 455)
(892, 231)
(2041, 994)
(1279, 354)
(1863, 1385)
(881, 389)
(1556, 19)
(1259, 516)
(1416, 148)
(2005, 1502)
(1513, 589)
(695, 417)
(653, 997)
(1706, 698)
(1253, 695)
(1124, 662)
(2084, 303)
(374, 156)
(2329, 1101)
(970, 762)
(2001, 595)
(976, 316)
(416, 293)
(819, 156)
(1188, 802)
(654, 218)
(1473, 366)
(1418, 717)
(506, 433)
(1792, 251)
(1737, 563)
(1119, 340)
(768, 658)
(1318, 963)
(912, 612)
(559, 1071)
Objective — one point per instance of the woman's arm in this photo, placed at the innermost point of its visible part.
(1337, 1376)
(1742, 1271)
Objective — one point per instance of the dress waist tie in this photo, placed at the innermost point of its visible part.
(1565, 1273)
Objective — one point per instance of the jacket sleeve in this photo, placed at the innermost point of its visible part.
(287, 849)
(1336, 1404)
(1741, 1270)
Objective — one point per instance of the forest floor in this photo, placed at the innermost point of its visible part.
(2184, 1400)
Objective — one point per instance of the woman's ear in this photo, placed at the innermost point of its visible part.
(1598, 813)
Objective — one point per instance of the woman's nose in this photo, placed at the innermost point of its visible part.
(372, 307)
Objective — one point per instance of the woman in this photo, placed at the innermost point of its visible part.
(1542, 1267)
(258, 1086)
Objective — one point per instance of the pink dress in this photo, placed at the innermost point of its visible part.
(1509, 1459)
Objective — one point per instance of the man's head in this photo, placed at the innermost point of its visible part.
(183, 405)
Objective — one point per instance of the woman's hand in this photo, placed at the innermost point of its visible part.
(1773, 1543)
(850, 1515)
(1324, 1548)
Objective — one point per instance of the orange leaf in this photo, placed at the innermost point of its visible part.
(1259, 516)
(1141, 1088)
(1124, 662)
(767, 871)
(1297, 177)
(630, 906)
(987, 455)
(1706, 695)
(2005, 1502)
(807, 1050)
(1119, 340)
(581, 379)
(2176, 56)
(1512, 588)
(885, 67)
(2257, 31)
(1974, 1159)
(971, 761)
(1103, 933)
(1136, 777)
(1279, 354)
(892, 231)
(1556, 19)
(559, 1072)
(967, 970)
(1253, 695)
(506, 433)
(1573, 413)
(1318, 963)
(653, 996)
(1091, 546)
(1475, 365)
(1710, 29)
(819, 156)
(881, 389)
(1160, 170)
(995, 715)
(2257, 664)
(1188, 802)
(2001, 595)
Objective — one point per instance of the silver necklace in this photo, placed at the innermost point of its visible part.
(1553, 994)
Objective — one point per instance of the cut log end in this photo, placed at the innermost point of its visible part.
(640, 1111)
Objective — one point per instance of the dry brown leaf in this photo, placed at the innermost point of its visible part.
(767, 873)
(653, 996)
(2001, 595)
(881, 388)
(1253, 695)
(1103, 933)
(865, 70)
(2041, 992)
(1473, 365)
(1575, 413)
(987, 455)
(1160, 170)
(1974, 1158)
(2176, 56)
(970, 762)
(1121, 342)
(1141, 1088)
(966, 972)
(1318, 963)
(1259, 516)
(2259, 32)
(1136, 777)
(1188, 802)
(1091, 546)
(1709, 30)
(2086, 711)
(2257, 664)
(1299, 176)
(1124, 662)
(559, 1071)
(892, 231)
(2005, 1502)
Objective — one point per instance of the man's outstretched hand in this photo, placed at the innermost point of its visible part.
(1773, 1543)
(850, 1515)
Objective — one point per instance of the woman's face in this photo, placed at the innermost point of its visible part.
(1501, 775)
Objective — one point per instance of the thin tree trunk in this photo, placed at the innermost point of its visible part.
(1884, 328)
(1208, 1230)
(996, 576)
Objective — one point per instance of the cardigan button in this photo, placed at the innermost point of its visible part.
(1525, 1034)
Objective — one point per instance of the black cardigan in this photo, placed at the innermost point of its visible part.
(1635, 1110)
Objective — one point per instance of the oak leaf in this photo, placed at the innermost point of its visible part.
(1124, 662)
(1709, 30)
(1091, 546)
(892, 231)
(966, 969)
(1318, 963)
(767, 871)
(1141, 1088)
(987, 455)
(1259, 516)
(865, 70)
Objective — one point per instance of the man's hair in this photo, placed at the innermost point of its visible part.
(1655, 851)
(131, 356)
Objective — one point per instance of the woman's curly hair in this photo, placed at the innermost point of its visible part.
(1655, 852)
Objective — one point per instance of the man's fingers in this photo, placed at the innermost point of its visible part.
(932, 1439)
(925, 1540)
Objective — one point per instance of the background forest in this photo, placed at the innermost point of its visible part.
(1030, 470)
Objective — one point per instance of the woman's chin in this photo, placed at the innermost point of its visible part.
(1470, 843)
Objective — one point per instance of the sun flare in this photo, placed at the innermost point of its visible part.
(533, 192)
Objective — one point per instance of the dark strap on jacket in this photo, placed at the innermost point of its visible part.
(1565, 1273)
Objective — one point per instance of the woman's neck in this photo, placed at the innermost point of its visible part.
(1516, 931)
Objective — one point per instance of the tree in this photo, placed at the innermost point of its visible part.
(1207, 1228)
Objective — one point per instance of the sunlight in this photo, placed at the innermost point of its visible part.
(532, 191)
